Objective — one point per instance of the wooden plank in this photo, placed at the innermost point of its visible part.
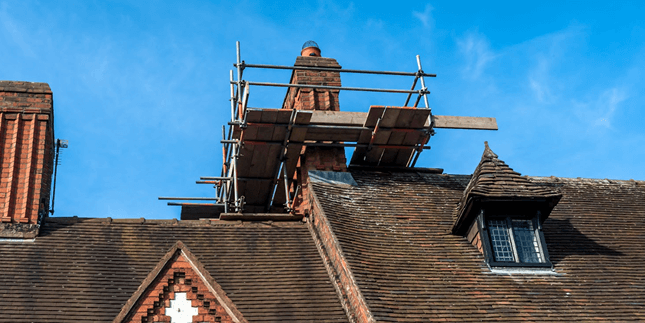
(420, 118)
(253, 115)
(269, 116)
(374, 155)
(338, 118)
(451, 122)
(406, 118)
(403, 156)
(258, 162)
(411, 138)
(373, 115)
(244, 160)
(390, 154)
(257, 193)
(260, 216)
(361, 119)
(298, 134)
(279, 133)
(265, 133)
(252, 193)
(390, 118)
(303, 117)
(284, 115)
(272, 159)
(317, 134)
(250, 133)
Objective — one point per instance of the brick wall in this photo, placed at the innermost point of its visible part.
(178, 277)
(313, 99)
(26, 153)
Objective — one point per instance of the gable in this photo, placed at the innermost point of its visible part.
(179, 289)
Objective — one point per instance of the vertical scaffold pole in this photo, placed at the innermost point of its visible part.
(239, 75)
(237, 152)
(423, 83)
(233, 101)
(224, 153)
(286, 185)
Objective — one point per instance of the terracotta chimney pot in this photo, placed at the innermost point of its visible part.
(310, 48)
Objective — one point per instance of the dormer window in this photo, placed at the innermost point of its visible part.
(513, 241)
(501, 214)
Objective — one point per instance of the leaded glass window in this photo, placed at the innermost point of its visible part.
(500, 240)
(514, 240)
(526, 244)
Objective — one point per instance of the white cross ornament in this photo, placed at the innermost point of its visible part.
(181, 309)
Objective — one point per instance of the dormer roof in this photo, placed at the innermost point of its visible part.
(494, 180)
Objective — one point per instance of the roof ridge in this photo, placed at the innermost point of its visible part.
(169, 222)
(587, 179)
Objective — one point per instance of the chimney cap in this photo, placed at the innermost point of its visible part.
(310, 43)
(310, 48)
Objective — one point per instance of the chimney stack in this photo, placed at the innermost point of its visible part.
(315, 158)
(26, 156)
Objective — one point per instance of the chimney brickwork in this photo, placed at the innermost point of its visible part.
(315, 158)
(26, 156)
(314, 99)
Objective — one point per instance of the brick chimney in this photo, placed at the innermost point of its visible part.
(315, 158)
(26, 156)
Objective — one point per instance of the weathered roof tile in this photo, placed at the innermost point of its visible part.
(84, 270)
(395, 233)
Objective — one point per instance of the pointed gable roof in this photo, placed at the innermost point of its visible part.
(179, 271)
(494, 180)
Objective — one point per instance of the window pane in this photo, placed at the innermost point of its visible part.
(499, 239)
(528, 249)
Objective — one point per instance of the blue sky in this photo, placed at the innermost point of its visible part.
(141, 87)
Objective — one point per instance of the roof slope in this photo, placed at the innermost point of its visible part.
(86, 270)
(395, 232)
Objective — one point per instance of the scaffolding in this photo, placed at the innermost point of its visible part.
(261, 146)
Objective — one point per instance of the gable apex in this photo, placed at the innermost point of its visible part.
(494, 181)
(179, 273)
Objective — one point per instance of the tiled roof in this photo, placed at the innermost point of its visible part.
(394, 230)
(493, 178)
(85, 270)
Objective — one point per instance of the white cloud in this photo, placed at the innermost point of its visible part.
(426, 16)
(477, 54)
(609, 101)
(599, 111)
(539, 81)
(546, 53)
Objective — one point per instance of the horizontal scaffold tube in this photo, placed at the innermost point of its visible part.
(329, 87)
(331, 69)
(195, 204)
(322, 144)
(189, 198)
